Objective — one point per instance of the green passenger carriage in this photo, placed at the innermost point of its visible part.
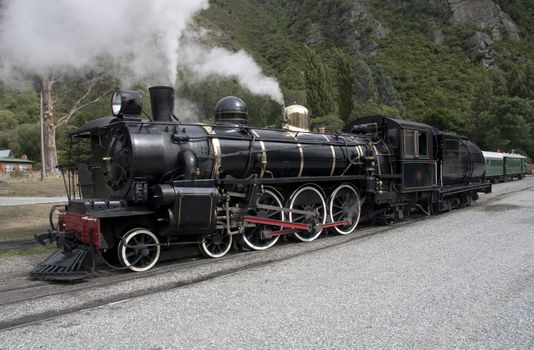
(515, 165)
(504, 166)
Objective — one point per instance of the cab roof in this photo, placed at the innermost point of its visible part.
(85, 130)
(383, 121)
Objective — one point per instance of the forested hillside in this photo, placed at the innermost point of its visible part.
(468, 70)
(463, 66)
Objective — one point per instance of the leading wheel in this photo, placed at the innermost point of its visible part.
(252, 237)
(53, 215)
(345, 206)
(139, 250)
(215, 245)
(308, 199)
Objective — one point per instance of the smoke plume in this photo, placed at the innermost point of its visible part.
(139, 39)
(203, 61)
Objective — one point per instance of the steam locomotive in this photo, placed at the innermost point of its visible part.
(145, 185)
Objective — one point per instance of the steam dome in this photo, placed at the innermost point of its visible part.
(231, 110)
(296, 118)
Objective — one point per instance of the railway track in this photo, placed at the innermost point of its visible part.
(36, 295)
(17, 245)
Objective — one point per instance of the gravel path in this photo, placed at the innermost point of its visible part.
(464, 280)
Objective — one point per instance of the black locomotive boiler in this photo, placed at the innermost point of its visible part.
(145, 185)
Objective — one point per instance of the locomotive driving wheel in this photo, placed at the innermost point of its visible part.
(345, 206)
(139, 250)
(253, 237)
(215, 245)
(308, 199)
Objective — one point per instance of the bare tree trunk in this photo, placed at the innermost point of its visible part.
(51, 123)
(49, 127)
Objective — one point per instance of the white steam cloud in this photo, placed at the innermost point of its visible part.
(204, 61)
(140, 38)
(65, 35)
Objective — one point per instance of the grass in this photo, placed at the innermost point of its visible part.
(32, 187)
(22, 233)
(29, 251)
(21, 222)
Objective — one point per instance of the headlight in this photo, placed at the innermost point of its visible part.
(116, 102)
(124, 102)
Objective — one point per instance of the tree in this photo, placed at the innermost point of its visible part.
(8, 121)
(318, 96)
(345, 85)
(387, 95)
(499, 83)
(25, 139)
(23, 104)
(517, 82)
(331, 123)
(509, 125)
(444, 120)
(8, 124)
(85, 96)
(484, 97)
(529, 71)
(364, 88)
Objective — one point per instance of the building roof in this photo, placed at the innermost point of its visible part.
(6, 153)
(15, 160)
(6, 156)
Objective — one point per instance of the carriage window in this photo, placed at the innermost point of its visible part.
(409, 143)
(423, 144)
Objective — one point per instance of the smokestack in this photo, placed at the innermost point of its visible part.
(162, 101)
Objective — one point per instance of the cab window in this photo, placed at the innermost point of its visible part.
(423, 144)
(409, 143)
(416, 144)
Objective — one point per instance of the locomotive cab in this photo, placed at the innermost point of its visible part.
(410, 142)
(418, 166)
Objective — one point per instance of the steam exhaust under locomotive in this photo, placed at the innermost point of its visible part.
(149, 184)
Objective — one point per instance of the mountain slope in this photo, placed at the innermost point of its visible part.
(448, 60)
